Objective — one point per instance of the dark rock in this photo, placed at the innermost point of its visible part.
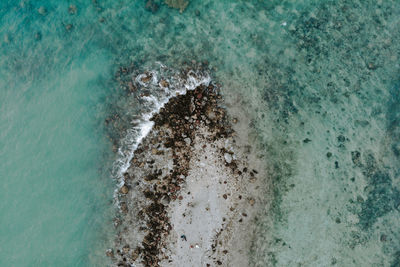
(69, 27)
(72, 9)
(180, 117)
(109, 253)
(356, 158)
(152, 6)
(341, 139)
(124, 207)
(124, 189)
(42, 11)
(383, 238)
(336, 165)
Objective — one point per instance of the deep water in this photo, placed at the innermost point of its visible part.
(319, 81)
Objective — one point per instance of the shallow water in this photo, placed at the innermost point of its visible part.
(318, 79)
(55, 193)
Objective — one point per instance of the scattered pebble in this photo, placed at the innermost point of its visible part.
(109, 252)
(252, 201)
(124, 189)
(228, 158)
(69, 27)
(42, 11)
(164, 83)
(72, 9)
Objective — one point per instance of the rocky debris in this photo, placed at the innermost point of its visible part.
(356, 158)
(69, 27)
(72, 9)
(176, 125)
(124, 189)
(228, 158)
(164, 83)
(109, 253)
(156, 178)
(42, 11)
(152, 6)
(252, 201)
(146, 78)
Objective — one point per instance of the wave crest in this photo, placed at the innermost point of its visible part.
(163, 84)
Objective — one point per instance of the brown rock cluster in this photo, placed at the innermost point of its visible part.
(174, 131)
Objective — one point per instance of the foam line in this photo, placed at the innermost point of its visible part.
(177, 85)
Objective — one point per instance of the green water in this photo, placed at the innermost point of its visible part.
(319, 81)
(53, 189)
(55, 194)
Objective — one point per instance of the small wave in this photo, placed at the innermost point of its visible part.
(163, 84)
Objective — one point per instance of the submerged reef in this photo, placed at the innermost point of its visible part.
(330, 136)
(178, 4)
(318, 82)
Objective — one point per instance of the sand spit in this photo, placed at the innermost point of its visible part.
(190, 192)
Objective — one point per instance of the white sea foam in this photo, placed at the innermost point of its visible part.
(178, 84)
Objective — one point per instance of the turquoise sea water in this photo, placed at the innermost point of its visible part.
(319, 80)
(55, 193)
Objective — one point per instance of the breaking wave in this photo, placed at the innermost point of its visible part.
(161, 85)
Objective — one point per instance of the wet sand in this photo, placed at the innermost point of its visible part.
(189, 197)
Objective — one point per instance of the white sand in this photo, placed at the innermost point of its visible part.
(215, 198)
